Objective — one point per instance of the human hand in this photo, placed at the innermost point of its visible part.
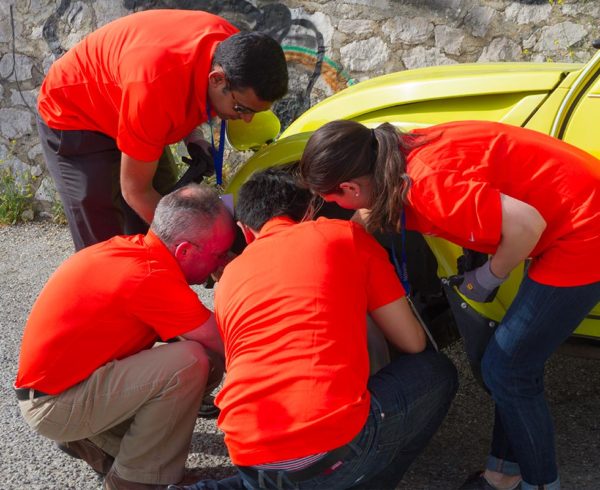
(199, 159)
(479, 284)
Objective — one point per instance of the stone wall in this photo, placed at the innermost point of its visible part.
(329, 45)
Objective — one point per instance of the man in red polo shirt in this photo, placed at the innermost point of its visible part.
(298, 407)
(88, 376)
(110, 105)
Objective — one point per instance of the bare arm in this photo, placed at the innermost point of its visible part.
(136, 186)
(400, 326)
(208, 335)
(522, 227)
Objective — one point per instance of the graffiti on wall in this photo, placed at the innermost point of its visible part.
(313, 76)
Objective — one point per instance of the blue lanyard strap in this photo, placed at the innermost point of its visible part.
(217, 155)
(401, 268)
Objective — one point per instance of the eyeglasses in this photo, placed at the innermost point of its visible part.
(240, 108)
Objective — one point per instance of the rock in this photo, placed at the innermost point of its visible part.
(369, 55)
(407, 30)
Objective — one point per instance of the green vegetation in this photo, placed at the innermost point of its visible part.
(57, 211)
(16, 196)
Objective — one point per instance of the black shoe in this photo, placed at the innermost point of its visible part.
(208, 409)
(87, 451)
(477, 482)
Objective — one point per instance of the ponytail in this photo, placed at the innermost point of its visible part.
(391, 181)
(343, 150)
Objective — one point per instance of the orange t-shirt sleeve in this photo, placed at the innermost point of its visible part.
(382, 283)
(465, 209)
(168, 305)
(141, 134)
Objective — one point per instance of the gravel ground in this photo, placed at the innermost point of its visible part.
(29, 254)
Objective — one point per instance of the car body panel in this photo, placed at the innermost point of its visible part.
(435, 84)
(559, 98)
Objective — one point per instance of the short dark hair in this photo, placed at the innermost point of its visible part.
(271, 193)
(254, 60)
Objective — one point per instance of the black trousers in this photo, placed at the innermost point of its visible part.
(85, 167)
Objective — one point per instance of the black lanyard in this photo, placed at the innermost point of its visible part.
(401, 267)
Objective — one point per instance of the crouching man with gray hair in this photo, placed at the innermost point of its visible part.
(88, 376)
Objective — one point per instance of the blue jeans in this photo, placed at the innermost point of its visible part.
(539, 319)
(409, 399)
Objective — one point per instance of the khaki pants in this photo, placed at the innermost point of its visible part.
(141, 410)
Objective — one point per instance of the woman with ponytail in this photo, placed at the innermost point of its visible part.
(502, 190)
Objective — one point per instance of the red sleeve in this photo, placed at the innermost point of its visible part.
(168, 305)
(147, 115)
(382, 285)
(465, 211)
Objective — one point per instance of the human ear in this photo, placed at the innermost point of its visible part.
(249, 235)
(216, 77)
(350, 187)
(182, 251)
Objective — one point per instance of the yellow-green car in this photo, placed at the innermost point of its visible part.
(560, 99)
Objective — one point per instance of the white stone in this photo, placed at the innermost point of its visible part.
(107, 11)
(501, 49)
(356, 27)
(34, 152)
(6, 35)
(321, 21)
(46, 191)
(577, 9)
(76, 23)
(559, 37)
(30, 97)
(15, 123)
(419, 57)
(368, 55)
(37, 32)
(449, 39)
(528, 14)
(36, 170)
(378, 4)
(27, 215)
(408, 31)
(529, 43)
(17, 167)
(47, 62)
(23, 65)
(479, 19)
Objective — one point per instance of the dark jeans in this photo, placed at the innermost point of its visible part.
(409, 399)
(85, 166)
(539, 319)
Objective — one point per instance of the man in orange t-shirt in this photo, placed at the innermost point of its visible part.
(298, 406)
(88, 376)
(110, 105)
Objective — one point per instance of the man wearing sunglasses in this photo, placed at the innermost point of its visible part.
(111, 104)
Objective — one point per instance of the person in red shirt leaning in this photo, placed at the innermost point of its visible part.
(111, 104)
(298, 407)
(88, 376)
(496, 189)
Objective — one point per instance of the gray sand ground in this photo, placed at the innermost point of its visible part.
(29, 254)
